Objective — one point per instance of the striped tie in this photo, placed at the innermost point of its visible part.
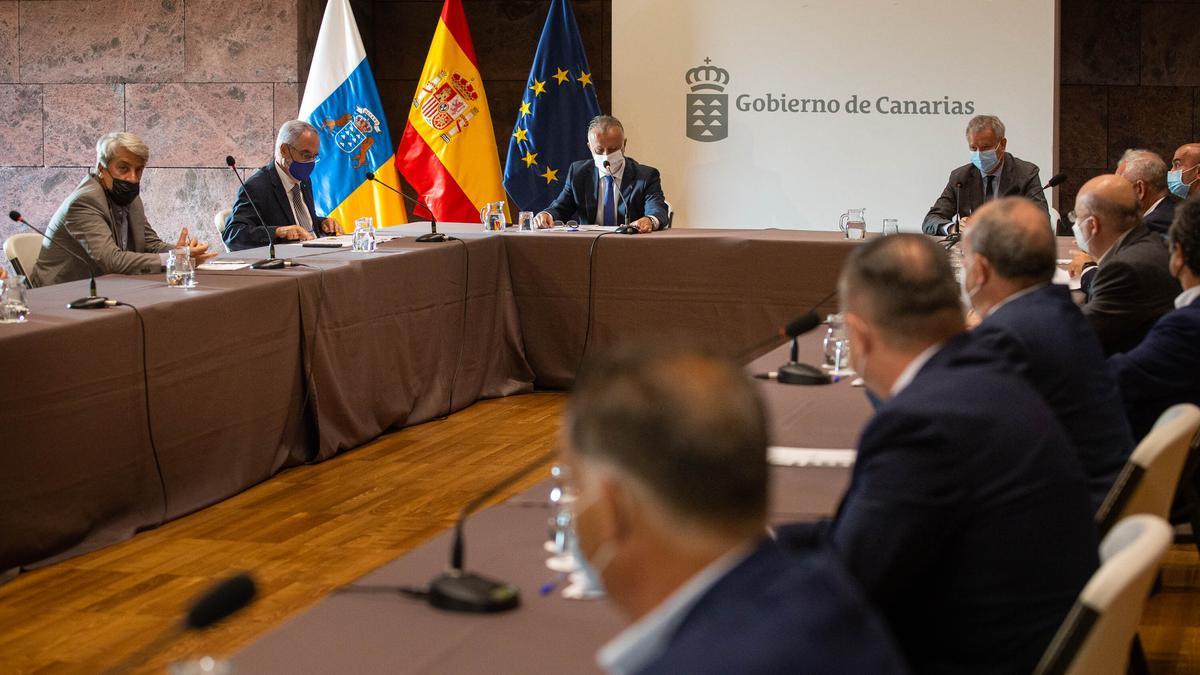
(302, 217)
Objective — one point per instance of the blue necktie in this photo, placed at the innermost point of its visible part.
(610, 202)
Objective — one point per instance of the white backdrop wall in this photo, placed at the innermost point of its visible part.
(811, 89)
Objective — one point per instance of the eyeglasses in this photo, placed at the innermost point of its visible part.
(304, 156)
(1073, 217)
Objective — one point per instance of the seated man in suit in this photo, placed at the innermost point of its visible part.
(1147, 172)
(1185, 170)
(667, 451)
(993, 172)
(590, 191)
(1128, 286)
(104, 221)
(1008, 262)
(283, 194)
(967, 518)
(1164, 368)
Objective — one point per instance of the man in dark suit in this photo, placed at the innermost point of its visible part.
(1164, 368)
(992, 172)
(1009, 259)
(967, 518)
(1128, 287)
(610, 189)
(283, 194)
(104, 222)
(1147, 172)
(667, 452)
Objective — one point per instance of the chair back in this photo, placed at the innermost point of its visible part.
(219, 219)
(22, 251)
(1147, 482)
(1098, 633)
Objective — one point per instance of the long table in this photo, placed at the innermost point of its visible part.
(369, 628)
(113, 421)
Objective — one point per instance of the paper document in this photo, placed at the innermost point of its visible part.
(227, 265)
(781, 456)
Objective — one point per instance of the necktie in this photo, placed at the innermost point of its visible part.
(610, 202)
(989, 192)
(302, 217)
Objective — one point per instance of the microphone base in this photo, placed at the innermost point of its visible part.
(626, 229)
(435, 237)
(270, 264)
(802, 373)
(91, 302)
(459, 591)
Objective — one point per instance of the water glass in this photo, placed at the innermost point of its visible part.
(364, 235)
(891, 226)
(856, 230)
(13, 306)
(525, 221)
(181, 270)
(841, 357)
(835, 332)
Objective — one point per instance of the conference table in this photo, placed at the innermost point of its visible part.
(369, 627)
(117, 420)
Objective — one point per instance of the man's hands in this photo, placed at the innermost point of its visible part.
(1079, 260)
(331, 226)
(543, 220)
(196, 249)
(293, 233)
(643, 224)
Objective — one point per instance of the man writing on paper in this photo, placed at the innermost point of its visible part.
(992, 173)
(106, 217)
(611, 188)
(283, 194)
(667, 450)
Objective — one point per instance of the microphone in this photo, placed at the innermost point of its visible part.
(92, 301)
(1055, 180)
(460, 591)
(624, 229)
(433, 235)
(218, 602)
(271, 263)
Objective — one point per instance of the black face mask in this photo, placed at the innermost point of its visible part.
(123, 192)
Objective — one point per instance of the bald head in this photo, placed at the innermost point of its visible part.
(1014, 235)
(1188, 155)
(1112, 201)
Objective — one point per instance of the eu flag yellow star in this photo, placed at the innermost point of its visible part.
(585, 78)
(551, 175)
(525, 109)
(521, 135)
(530, 158)
(538, 88)
(562, 76)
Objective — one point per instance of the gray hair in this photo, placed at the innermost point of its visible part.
(1015, 251)
(1145, 166)
(290, 132)
(107, 146)
(602, 123)
(980, 123)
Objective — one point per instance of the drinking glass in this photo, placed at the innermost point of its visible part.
(525, 221)
(13, 306)
(891, 226)
(364, 235)
(835, 332)
(181, 270)
(841, 357)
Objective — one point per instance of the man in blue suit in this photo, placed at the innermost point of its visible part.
(283, 194)
(1008, 262)
(1164, 369)
(967, 518)
(610, 189)
(667, 450)
(1147, 173)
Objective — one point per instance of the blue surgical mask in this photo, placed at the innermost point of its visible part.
(301, 170)
(985, 161)
(1082, 243)
(1176, 185)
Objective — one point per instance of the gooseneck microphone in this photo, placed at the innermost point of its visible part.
(433, 235)
(624, 229)
(218, 602)
(92, 301)
(271, 262)
(1055, 180)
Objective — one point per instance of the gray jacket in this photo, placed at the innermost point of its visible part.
(1017, 173)
(88, 216)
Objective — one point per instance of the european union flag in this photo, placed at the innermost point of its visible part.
(551, 127)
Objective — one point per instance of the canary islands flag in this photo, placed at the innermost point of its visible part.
(448, 150)
(551, 128)
(342, 102)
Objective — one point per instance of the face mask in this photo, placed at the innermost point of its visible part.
(123, 192)
(301, 170)
(984, 161)
(1082, 243)
(1176, 185)
(615, 159)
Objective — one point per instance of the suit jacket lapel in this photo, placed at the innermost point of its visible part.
(973, 190)
(282, 199)
(592, 188)
(629, 175)
(1008, 177)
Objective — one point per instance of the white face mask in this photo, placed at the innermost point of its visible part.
(1082, 243)
(615, 160)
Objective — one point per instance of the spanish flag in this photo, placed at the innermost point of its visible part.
(448, 150)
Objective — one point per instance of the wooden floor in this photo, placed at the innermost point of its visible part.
(312, 529)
